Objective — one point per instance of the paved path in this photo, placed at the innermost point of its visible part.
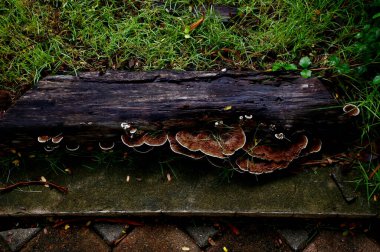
(187, 234)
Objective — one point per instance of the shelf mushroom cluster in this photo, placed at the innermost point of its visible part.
(229, 142)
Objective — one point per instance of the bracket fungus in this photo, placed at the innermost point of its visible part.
(179, 149)
(72, 147)
(57, 139)
(249, 165)
(219, 145)
(280, 154)
(351, 110)
(150, 139)
(106, 146)
(270, 158)
(43, 139)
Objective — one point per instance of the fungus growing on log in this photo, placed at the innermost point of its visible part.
(43, 139)
(57, 139)
(272, 158)
(247, 164)
(314, 146)
(72, 147)
(280, 154)
(351, 110)
(106, 146)
(219, 145)
(156, 139)
(179, 149)
(132, 141)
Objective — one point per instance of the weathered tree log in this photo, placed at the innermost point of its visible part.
(90, 107)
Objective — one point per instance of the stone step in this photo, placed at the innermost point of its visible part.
(195, 189)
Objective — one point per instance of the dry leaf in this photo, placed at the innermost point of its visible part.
(211, 241)
(185, 249)
(227, 107)
(67, 226)
(194, 25)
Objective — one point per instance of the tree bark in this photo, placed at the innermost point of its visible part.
(90, 106)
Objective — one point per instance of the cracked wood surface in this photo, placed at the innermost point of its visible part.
(93, 105)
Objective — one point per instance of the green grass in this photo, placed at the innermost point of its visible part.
(44, 37)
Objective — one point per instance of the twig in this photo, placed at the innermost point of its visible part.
(28, 183)
(109, 220)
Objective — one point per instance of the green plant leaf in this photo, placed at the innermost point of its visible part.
(288, 66)
(344, 68)
(277, 66)
(334, 60)
(305, 62)
(376, 15)
(306, 73)
(376, 80)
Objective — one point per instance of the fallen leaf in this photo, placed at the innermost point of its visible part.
(211, 241)
(227, 108)
(185, 249)
(67, 226)
(225, 249)
(233, 229)
(194, 25)
(374, 171)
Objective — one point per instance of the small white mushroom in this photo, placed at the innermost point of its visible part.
(125, 125)
(279, 136)
(248, 116)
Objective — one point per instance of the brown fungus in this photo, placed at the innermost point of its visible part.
(219, 145)
(155, 139)
(57, 139)
(43, 139)
(351, 110)
(177, 148)
(279, 154)
(132, 141)
(314, 146)
(249, 165)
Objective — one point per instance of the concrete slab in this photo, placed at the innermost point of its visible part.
(197, 189)
(16, 238)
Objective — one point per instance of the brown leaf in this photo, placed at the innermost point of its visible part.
(374, 171)
(194, 25)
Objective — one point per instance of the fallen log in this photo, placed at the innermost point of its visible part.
(273, 117)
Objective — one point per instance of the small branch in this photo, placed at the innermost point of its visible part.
(108, 220)
(28, 183)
